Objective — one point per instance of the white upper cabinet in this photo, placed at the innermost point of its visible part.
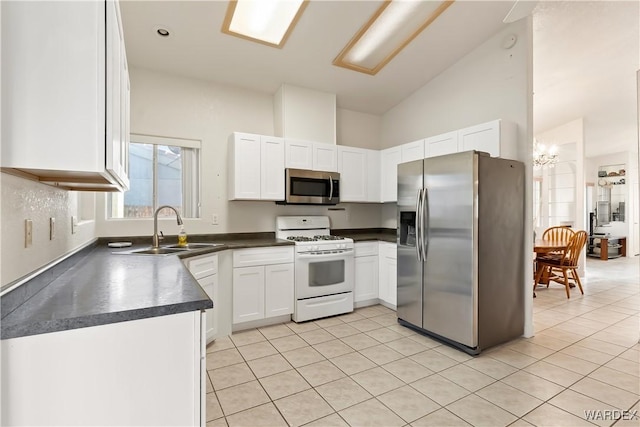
(298, 154)
(497, 138)
(325, 157)
(311, 155)
(374, 192)
(244, 166)
(389, 160)
(271, 168)
(67, 86)
(255, 167)
(440, 145)
(352, 165)
(412, 151)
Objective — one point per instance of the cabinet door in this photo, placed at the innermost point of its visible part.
(412, 151)
(126, 121)
(352, 165)
(298, 154)
(202, 266)
(388, 273)
(325, 157)
(373, 176)
(440, 145)
(210, 286)
(366, 286)
(248, 294)
(114, 43)
(279, 289)
(389, 160)
(244, 167)
(484, 137)
(271, 168)
(392, 281)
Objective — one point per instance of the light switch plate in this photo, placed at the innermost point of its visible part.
(74, 224)
(52, 228)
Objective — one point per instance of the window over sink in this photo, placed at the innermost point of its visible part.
(162, 171)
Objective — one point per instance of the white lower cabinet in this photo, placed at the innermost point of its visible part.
(248, 294)
(263, 283)
(278, 289)
(366, 272)
(205, 269)
(388, 272)
(150, 371)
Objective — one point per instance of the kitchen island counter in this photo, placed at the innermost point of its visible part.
(95, 287)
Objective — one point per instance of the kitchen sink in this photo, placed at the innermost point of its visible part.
(192, 246)
(170, 249)
(154, 251)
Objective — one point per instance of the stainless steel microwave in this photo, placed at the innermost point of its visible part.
(307, 187)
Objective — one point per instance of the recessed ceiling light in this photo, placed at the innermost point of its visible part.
(264, 21)
(162, 30)
(390, 29)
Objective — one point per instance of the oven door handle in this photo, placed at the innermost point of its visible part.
(339, 255)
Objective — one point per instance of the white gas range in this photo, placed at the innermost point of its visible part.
(324, 267)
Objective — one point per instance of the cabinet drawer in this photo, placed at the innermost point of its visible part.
(203, 266)
(366, 249)
(262, 256)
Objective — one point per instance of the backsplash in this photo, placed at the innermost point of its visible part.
(24, 199)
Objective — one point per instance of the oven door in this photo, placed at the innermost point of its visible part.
(324, 274)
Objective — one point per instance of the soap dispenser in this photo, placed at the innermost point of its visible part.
(182, 237)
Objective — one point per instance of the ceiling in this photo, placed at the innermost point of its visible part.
(585, 59)
(584, 55)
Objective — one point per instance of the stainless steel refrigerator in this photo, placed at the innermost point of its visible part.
(461, 249)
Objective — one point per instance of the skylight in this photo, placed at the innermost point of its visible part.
(264, 21)
(390, 29)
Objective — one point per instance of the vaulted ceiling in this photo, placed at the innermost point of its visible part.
(585, 55)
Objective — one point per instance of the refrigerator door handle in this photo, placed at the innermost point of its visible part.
(418, 223)
(424, 223)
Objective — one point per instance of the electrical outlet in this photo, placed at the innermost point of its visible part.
(52, 228)
(74, 224)
(214, 219)
(28, 233)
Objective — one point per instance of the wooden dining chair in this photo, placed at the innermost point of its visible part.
(559, 233)
(566, 262)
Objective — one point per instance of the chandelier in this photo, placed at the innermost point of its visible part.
(544, 156)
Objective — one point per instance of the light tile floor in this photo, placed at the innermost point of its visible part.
(363, 369)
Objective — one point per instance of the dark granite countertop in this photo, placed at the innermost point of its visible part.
(95, 287)
(367, 234)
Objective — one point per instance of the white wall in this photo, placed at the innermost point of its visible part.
(170, 106)
(564, 203)
(357, 129)
(24, 199)
(489, 83)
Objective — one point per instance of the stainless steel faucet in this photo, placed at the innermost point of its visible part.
(156, 239)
